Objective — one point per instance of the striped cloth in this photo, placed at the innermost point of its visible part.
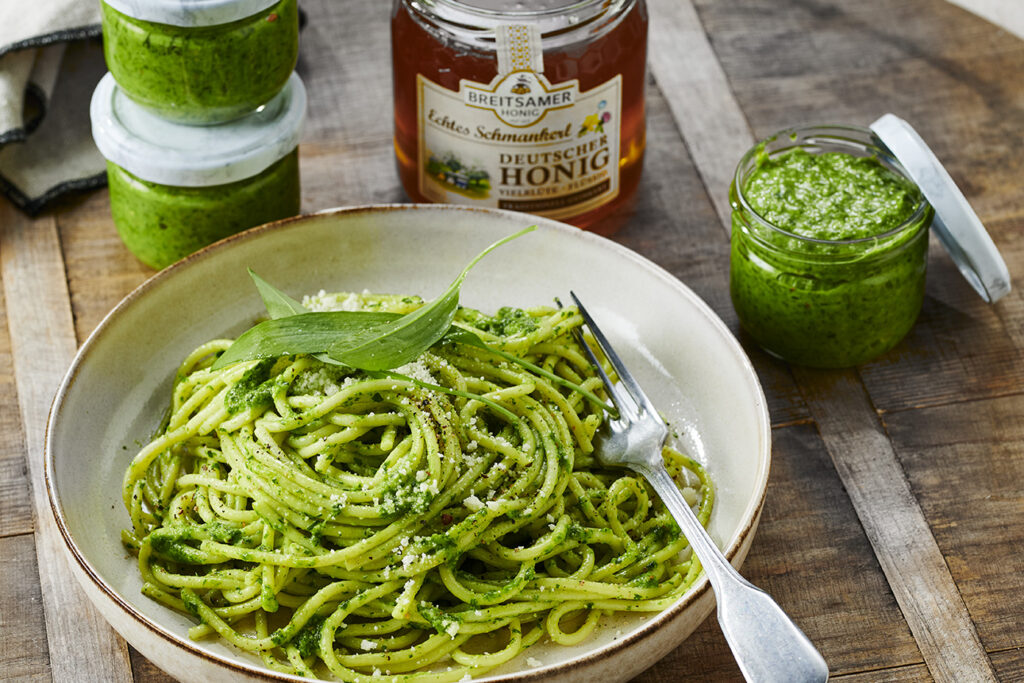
(51, 58)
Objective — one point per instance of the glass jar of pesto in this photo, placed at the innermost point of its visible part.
(176, 188)
(829, 246)
(201, 62)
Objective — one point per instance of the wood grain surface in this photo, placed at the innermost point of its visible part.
(43, 344)
(893, 530)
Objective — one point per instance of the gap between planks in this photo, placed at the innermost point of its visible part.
(717, 135)
(81, 645)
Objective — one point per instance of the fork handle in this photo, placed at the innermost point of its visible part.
(766, 643)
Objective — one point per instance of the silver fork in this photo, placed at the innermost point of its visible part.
(766, 643)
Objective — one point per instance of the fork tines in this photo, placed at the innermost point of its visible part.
(633, 400)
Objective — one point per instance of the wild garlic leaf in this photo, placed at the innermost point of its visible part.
(311, 333)
(407, 338)
(364, 340)
(279, 304)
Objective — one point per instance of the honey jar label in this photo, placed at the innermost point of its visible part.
(520, 142)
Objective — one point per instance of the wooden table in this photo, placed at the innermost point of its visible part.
(894, 525)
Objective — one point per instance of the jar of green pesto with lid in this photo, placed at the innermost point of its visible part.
(830, 228)
(201, 61)
(176, 188)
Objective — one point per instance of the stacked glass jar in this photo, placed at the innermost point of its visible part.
(199, 120)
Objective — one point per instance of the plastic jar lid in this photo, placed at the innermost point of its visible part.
(190, 12)
(160, 151)
(956, 225)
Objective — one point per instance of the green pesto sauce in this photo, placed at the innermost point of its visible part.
(509, 322)
(203, 74)
(830, 302)
(308, 639)
(829, 196)
(253, 389)
(161, 223)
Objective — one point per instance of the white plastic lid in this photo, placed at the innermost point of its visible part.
(956, 225)
(161, 151)
(190, 12)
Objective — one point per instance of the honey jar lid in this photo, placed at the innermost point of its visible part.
(190, 12)
(161, 151)
(956, 224)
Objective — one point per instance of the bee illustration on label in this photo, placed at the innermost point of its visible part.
(522, 86)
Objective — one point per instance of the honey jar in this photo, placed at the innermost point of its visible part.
(536, 106)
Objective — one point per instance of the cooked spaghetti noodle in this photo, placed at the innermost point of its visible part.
(362, 525)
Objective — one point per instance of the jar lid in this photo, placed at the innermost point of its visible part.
(190, 12)
(556, 20)
(956, 225)
(161, 151)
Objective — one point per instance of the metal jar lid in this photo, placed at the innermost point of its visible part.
(190, 12)
(161, 151)
(956, 224)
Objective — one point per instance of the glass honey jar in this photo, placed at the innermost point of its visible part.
(536, 106)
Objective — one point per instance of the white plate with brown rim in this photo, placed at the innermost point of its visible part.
(117, 388)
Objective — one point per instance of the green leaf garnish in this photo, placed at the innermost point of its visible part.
(279, 304)
(359, 339)
(375, 342)
(405, 339)
(311, 333)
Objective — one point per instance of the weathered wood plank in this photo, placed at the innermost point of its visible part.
(15, 497)
(345, 61)
(81, 645)
(895, 525)
(963, 462)
(367, 176)
(905, 674)
(698, 92)
(811, 554)
(960, 349)
(146, 671)
(906, 551)
(1009, 664)
(814, 61)
(715, 134)
(23, 651)
(674, 224)
(100, 269)
(347, 155)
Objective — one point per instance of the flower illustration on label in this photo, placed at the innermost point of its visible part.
(594, 123)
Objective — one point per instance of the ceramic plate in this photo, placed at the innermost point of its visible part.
(118, 387)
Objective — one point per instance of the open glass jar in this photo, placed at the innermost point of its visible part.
(819, 301)
(533, 106)
(201, 62)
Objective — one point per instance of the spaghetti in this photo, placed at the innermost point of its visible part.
(363, 525)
